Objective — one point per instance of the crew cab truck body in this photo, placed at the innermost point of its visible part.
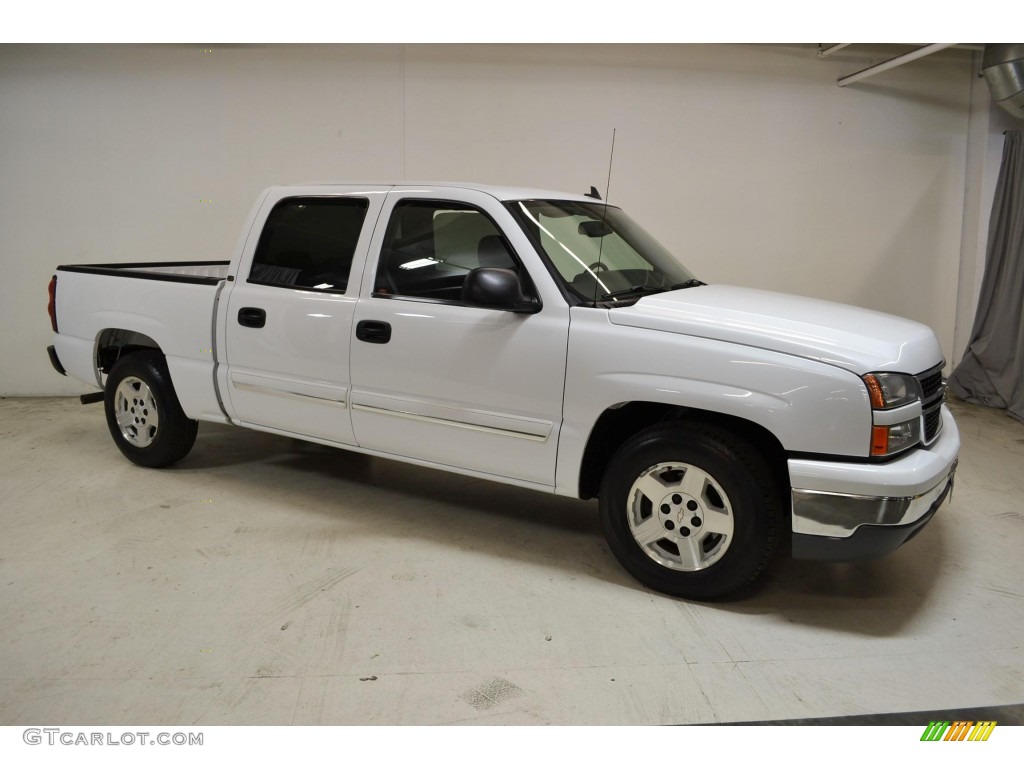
(538, 339)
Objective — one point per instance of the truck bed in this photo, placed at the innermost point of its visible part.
(169, 305)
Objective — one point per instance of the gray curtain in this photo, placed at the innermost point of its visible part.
(992, 371)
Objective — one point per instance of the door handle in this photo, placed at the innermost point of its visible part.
(252, 317)
(373, 331)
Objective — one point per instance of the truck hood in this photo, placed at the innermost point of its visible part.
(859, 340)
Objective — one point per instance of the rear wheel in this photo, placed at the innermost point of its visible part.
(690, 509)
(143, 413)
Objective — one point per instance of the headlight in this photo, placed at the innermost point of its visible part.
(889, 390)
(893, 438)
(886, 392)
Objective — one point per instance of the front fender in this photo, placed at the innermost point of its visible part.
(809, 406)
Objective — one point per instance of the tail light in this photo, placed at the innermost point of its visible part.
(52, 306)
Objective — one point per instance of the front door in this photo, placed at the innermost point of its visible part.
(439, 381)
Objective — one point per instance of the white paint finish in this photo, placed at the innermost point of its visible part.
(192, 378)
(303, 349)
(431, 188)
(239, 588)
(454, 415)
(412, 461)
(850, 337)
(177, 316)
(807, 405)
(286, 387)
(780, 180)
(476, 367)
(78, 356)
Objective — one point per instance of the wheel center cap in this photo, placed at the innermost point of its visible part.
(691, 513)
(682, 508)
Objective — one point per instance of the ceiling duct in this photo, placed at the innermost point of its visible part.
(1003, 67)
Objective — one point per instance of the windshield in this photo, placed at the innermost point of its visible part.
(600, 255)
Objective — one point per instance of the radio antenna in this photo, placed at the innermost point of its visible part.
(608, 184)
(604, 216)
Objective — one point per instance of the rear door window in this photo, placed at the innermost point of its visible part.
(309, 242)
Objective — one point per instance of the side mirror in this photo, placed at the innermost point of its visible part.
(497, 289)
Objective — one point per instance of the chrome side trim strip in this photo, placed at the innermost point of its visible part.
(408, 460)
(449, 422)
(302, 398)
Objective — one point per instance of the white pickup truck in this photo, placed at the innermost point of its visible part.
(538, 339)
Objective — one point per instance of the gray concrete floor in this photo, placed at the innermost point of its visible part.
(268, 581)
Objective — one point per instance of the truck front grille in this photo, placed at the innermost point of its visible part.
(933, 392)
(931, 384)
(932, 423)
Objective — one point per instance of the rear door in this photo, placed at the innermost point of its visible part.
(439, 381)
(288, 320)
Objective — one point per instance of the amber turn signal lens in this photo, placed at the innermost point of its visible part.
(875, 392)
(879, 441)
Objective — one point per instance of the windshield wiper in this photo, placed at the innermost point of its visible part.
(634, 289)
(641, 289)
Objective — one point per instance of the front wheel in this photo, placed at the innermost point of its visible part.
(143, 413)
(690, 509)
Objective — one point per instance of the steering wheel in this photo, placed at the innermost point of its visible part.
(598, 266)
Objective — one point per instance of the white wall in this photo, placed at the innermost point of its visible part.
(747, 161)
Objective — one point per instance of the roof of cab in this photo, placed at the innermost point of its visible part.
(496, 191)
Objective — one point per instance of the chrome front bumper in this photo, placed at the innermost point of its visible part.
(853, 511)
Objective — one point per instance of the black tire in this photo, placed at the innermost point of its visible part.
(702, 555)
(154, 431)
